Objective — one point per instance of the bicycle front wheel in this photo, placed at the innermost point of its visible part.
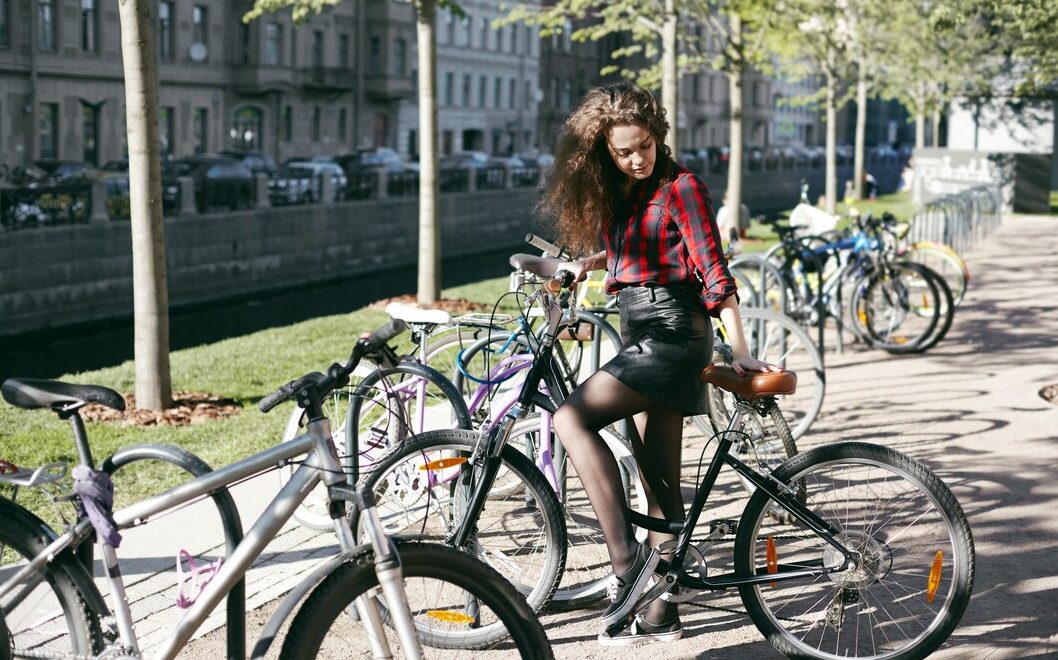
(915, 565)
(46, 615)
(456, 602)
(422, 490)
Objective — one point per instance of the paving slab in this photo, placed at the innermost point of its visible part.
(969, 408)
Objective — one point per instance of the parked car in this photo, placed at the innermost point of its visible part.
(118, 165)
(327, 168)
(292, 184)
(219, 182)
(256, 161)
(54, 172)
(460, 159)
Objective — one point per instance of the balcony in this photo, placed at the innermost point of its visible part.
(327, 78)
(254, 79)
(389, 88)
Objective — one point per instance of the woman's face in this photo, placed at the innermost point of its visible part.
(633, 150)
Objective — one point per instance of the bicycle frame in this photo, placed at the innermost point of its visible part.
(782, 494)
(321, 464)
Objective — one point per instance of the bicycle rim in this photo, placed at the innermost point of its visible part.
(915, 572)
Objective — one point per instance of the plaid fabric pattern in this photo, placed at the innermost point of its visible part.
(666, 233)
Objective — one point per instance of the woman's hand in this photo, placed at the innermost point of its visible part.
(580, 269)
(746, 363)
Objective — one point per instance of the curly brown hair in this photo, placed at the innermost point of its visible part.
(579, 200)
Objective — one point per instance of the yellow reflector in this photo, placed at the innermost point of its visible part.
(443, 463)
(862, 315)
(934, 576)
(899, 340)
(449, 616)
(772, 557)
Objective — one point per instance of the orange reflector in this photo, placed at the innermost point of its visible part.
(934, 576)
(772, 557)
(443, 463)
(449, 616)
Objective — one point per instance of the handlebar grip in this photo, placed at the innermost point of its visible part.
(287, 391)
(379, 337)
(546, 246)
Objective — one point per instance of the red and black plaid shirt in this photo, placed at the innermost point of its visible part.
(666, 233)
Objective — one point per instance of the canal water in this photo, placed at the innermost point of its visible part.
(87, 348)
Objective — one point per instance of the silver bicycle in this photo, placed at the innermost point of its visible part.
(403, 595)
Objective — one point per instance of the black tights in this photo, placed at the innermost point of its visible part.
(598, 402)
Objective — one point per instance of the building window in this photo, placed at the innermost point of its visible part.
(273, 44)
(514, 38)
(497, 93)
(244, 43)
(343, 50)
(449, 91)
(483, 85)
(49, 130)
(247, 133)
(484, 33)
(400, 57)
(165, 130)
(316, 123)
(89, 26)
(466, 90)
(46, 22)
(317, 48)
(90, 129)
(567, 94)
(451, 27)
(200, 23)
(5, 37)
(511, 94)
(527, 100)
(374, 60)
(165, 30)
(343, 130)
(288, 123)
(200, 130)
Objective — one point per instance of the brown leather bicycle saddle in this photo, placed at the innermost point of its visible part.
(754, 385)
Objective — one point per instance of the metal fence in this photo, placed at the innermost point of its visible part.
(62, 204)
(959, 220)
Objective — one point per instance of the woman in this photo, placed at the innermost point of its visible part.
(615, 178)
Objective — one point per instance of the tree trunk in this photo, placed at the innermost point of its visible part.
(920, 129)
(670, 75)
(150, 291)
(733, 196)
(832, 146)
(936, 127)
(429, 231)
(861, 134)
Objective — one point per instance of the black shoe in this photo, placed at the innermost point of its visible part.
(642, 631)
(626, 588)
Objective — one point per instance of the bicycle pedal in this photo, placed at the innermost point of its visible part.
(724, 526)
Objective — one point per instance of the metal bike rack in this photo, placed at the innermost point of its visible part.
(230, 521)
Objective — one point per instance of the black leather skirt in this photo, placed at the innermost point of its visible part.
(668, 340)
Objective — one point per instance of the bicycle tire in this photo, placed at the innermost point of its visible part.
(946, 262)
(947, 309)
(443, 347)
(780, 340)
(876, 497)
(883, 311)
(32, 618)
(451, 574)
(408, 504)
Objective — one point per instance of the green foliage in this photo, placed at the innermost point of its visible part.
(300, 10)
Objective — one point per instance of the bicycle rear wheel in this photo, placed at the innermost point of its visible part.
(945, 262)
(457, 602)
(780, 340)
(47, 616)
(914, 576)
(896, 310)
(422, 489)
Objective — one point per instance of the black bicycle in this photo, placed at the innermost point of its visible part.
(847, 550)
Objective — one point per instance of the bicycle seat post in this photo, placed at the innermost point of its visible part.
(80, 436)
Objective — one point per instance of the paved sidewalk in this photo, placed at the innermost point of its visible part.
(969, 408)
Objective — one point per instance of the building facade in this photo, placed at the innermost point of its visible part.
(267, 85)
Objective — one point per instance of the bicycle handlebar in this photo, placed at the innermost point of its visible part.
(546, 246)
(337, 375)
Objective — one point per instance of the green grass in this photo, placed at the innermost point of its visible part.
(241, 368)
(1054, 201)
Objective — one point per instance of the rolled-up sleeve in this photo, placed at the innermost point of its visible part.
(691, 208)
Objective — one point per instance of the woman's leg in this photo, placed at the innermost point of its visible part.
(597, 402)
(658, 453)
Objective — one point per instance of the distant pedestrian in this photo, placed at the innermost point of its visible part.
(726, 220)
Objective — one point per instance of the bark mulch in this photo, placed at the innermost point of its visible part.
(187, 408)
